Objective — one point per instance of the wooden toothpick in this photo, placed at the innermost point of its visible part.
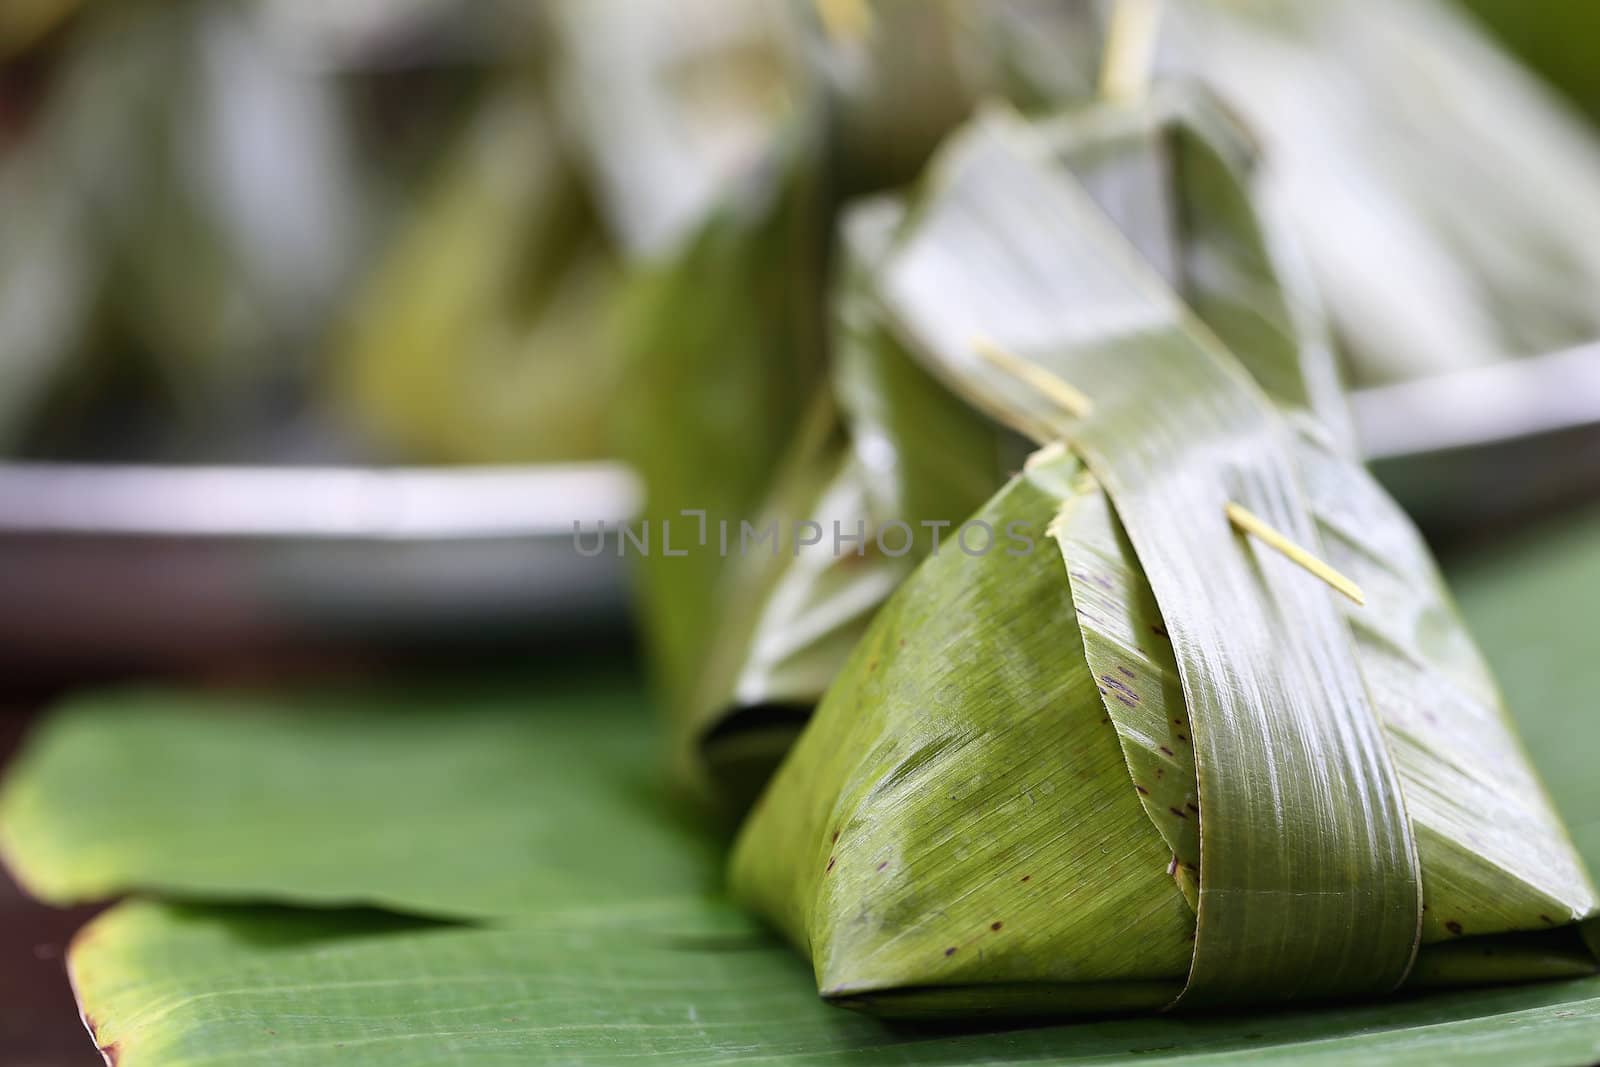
(1130, 48)
(1048, 454)
(1249, 522)
(1059, 392)
(846, 21)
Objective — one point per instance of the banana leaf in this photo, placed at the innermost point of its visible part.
(471, 775)
(670, 105)
(722, 346)
(50, 279)
(193, 977)
(486, 331)
(734, 331)
(1369, 110)
(1341, 823)
(1543, 34)
(894, 444)
(145, 245)
(901, 74)
(1231, 247)
(1177, 175)
(674, 103)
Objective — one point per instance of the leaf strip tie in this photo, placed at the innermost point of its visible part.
(1249, 522)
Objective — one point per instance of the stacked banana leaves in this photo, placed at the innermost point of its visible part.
(1113, 747)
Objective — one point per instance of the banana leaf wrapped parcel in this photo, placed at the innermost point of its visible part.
(727, 348)
(912, 453)
(1182, 715)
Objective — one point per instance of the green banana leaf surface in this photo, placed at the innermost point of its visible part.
(894, 824)
(1177, 176)
(196, 979)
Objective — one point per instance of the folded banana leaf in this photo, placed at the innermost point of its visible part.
(729, 342)
(1223, 246)
(722, 344)
(894, 444)
(485, 333)
(1370, 109)
(901, 74)
(673, 102)
(670, 104)
(928, 460)
(144, 245)
(1139, 747)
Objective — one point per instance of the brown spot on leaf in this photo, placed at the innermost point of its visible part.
(1157, 629)
(1142, 790)
(1178, 812)
(951, 951)
(1128, 671)
(1167, 750)
(1192, 806)
(831, 861)
(1120, 690)
(882, 865)
(836, 835)
(1549, 921)
(996, 925)
(1026, 877)
(1454, 927)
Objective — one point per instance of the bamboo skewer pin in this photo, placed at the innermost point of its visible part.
(845, 21)
(1048, 454)
(1130, 49)
(1124, 75)
(1062, 393)
(1070, 399)
(1249, 522)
